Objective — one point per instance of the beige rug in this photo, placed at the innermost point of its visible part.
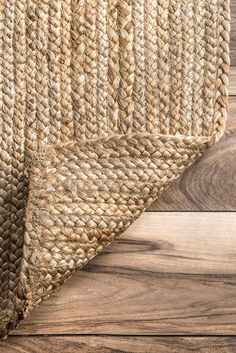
(103, 103)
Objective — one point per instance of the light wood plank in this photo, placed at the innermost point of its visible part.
(209, 184)
(233, 33)
(171, 273)
(232, 81)
(106, 344)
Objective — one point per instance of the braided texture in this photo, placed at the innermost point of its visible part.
(102, 104)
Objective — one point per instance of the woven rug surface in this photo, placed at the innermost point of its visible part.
(103, 103)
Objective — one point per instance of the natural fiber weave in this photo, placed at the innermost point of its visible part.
(103, 103)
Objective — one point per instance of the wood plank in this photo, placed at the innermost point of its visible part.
(119, 344)
(209, 184)
(233, 33)
(232, 81)
(171, 273)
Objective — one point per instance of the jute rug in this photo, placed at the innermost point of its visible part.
(103, 103)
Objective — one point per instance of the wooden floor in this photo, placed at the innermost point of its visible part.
(168, 285)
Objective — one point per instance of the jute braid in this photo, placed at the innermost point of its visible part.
(41, 74)
(67, 123)
(18, 181)
(113, 66)
(187, 66)
(102, 66)
(103, 104)
(12, 161)
(151, 48)
(175, 55)
(1, 48)
(91, 69)
(163, 64)
(198, 65)
(54, 77)
(78, 69)
(222, 83)
(126, 65)
(211, 32)
(31, 140)
(139, 86)
(6, 294)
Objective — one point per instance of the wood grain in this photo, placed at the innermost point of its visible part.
(119, 344)
(233, 33)
(171, 273)
(209, 184)
(232, 81)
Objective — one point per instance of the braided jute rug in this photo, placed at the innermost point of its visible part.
(103, 103)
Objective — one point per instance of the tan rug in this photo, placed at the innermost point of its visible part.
(103, 103)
